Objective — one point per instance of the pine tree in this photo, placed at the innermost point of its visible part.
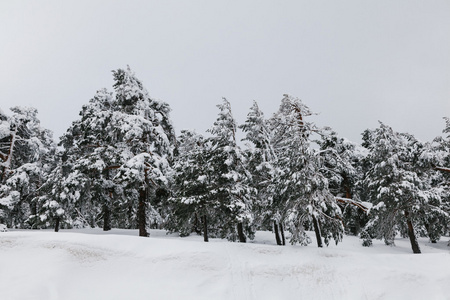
(342, 168)
(89, 150)
(301, 193)
(261, 160)
(26, 151)
(63, 197)
(193, 203)
(146, 137)
(396, 187)
(230, 179)
(116, 157)
(433, 162)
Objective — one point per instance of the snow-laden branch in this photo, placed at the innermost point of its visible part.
(443, 169)
(356, 203)
(7, 163)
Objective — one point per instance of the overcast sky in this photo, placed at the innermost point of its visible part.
(354, 62)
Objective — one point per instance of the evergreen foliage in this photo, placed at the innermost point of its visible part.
(115, 158)
(27, 152)
(260, 163)
(121, 165)
(301, 194)
(399, 191)
(193, 203)
(342, 168)
(230, 178)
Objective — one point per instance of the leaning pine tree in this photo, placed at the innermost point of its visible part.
(301, 191)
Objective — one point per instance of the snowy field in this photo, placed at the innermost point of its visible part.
(89, 264)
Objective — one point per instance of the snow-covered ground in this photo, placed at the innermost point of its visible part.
(89, 264)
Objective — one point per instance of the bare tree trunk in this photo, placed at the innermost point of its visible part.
(240, 229)
(106, 218)
(283, 239)
(141, 215)
(197, 228)
(412, 236)
(428, 228)
(277, 234)
(205, 228)
(33, 208)
(106, 205)
(317, 231)
(57, 224)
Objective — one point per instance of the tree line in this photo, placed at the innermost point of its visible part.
(121, 165)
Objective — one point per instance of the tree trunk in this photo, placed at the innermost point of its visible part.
(277, 234)
(3, 174)
(205, 228)
(412, 236)
(57, 225)
(317, 231)
(240, 229)
(283, 240)
(33, 208)
(197, 227)
(130, 216)
(106, 218)
(33, 212)
(346, 185)
(106, 209)
(428, 228)
(141, 215)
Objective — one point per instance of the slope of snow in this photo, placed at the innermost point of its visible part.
(89, 264)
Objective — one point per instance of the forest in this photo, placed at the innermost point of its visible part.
(122, 165)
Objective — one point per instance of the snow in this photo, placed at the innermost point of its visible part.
(10, 200)
(90, 264)
(4, 129)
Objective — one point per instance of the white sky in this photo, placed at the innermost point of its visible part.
(354, 62)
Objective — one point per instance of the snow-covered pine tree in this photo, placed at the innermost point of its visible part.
(89, 149)
(6, 144)
(115, 158)
(230, 179)
(343, 170)
(433, 161)
(396, 187)
(146, 139)
(260, 164)
(340, 164)
(441, 149)
(193, 204)
(63, 201)
(27, 151)
(301, 193)
(445, 169)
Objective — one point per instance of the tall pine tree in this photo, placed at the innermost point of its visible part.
(27, 151)
(301, 192)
